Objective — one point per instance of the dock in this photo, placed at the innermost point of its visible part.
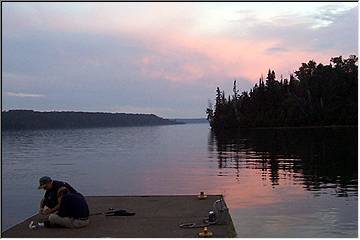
(156, 216)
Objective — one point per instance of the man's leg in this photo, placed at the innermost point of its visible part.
(62, 221)
(77, 223)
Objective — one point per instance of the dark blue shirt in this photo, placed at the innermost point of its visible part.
(73, 205)
(50, 198)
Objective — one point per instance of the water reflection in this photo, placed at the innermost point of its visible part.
(277, 183)
(322, 160)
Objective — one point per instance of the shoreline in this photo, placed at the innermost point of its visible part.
(286, 127)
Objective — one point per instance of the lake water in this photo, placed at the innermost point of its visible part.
(277, 183)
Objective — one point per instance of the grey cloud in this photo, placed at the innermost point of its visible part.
(329, 13)
(275, 50)
(20, 94)
(340, 33)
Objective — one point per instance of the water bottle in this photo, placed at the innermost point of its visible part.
(36, 226)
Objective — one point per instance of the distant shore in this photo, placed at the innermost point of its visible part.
(29, 119)
(191, 120)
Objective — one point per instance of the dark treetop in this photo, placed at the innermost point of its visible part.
(317, 95)
(28, 119)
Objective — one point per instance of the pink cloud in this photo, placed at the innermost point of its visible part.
(223, 57)
(178, 52)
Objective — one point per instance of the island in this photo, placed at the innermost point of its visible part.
(30, 119)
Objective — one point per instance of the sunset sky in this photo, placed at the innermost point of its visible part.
(161, 58)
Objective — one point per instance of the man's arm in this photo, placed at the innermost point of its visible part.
(51, 210)
(42, 203)
(54, 209)
(62, 208)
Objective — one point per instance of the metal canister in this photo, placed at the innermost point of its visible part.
(212, 217)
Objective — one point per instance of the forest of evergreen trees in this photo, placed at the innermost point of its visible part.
(315, 95)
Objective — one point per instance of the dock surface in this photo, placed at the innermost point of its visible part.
(156, 216)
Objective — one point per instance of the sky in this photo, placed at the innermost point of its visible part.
(160, 58)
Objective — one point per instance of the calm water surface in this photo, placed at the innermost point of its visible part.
(277, 183)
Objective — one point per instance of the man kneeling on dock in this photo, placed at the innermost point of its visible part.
(73, 211)
(49, 204)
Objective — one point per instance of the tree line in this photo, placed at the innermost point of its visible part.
(314, 95)
(29, 119)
